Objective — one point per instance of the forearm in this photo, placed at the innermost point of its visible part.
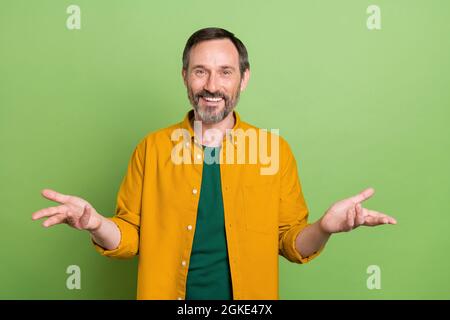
(311, 239)
(107, 235)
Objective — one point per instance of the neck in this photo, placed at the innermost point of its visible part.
(211, 135)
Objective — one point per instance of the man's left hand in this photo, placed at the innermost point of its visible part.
(348, 214)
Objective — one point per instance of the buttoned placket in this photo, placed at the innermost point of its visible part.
(190, 220)
(196, 152)
(231, 240)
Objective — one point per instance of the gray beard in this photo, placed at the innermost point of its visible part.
(208, 115)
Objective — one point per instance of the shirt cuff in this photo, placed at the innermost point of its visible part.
(291, 251)
(128, 245)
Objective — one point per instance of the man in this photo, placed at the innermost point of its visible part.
(211, 229)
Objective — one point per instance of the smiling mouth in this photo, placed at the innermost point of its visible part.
(208, 99)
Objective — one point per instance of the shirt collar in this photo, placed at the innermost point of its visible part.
(186, 124)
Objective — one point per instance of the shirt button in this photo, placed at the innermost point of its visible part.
(189, 227)
(187, 144)
(183, 263)
(199, 156)
(194, 191)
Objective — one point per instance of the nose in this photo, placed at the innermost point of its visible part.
(211, 84)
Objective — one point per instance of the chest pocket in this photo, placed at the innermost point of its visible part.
(258, 207)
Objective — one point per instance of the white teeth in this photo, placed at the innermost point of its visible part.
(212, 99)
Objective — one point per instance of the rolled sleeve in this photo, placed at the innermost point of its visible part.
(289, 249)
(128, 208)
(129, 240)
(293, 216)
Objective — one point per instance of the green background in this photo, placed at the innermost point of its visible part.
(358, 107)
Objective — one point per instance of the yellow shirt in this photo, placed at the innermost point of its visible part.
(157, 208)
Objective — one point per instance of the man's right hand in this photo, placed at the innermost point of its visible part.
(79, 214)
(74, 211)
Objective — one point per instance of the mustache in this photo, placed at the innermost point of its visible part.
(208, 94)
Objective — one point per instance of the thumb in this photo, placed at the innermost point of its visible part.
(363, 195)
(86, 216)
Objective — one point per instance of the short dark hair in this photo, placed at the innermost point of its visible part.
(212, 34)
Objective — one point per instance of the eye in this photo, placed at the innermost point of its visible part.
(199, 72)
(227, 72)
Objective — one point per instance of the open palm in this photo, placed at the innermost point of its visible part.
(348, 214)
(74, 211)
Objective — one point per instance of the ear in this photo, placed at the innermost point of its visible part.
(183, 74)
(245, 79)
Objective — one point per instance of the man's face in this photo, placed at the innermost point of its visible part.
(213, 79)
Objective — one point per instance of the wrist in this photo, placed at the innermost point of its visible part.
(97, 225)
(322, 229)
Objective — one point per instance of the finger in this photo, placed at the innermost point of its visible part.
(359, 215)
(374, 221)
(84, 219)
(47, 212)
(371, 222)
(351, 218)
(363, 195)
(55, 196)
(56, 219)
(385, 217)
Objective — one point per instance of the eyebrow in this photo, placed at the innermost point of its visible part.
(221, 67)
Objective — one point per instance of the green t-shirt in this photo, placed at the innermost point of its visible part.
(209, 271)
